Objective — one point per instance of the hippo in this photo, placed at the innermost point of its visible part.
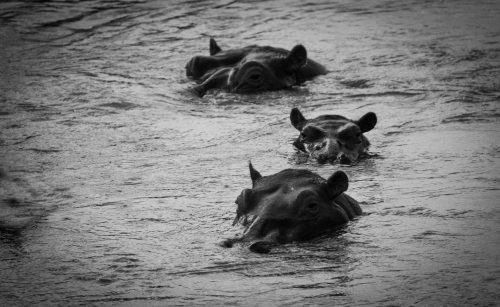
(328, 137)
(251, 69)
(292, 205)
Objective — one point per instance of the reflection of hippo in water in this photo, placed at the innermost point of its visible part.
(18, 206)
(327, 137)
(292, 205)
(251, 69)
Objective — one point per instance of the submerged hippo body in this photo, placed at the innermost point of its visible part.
(292, 205)
(328, 137)
(251, 69)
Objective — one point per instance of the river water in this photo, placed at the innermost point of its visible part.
(128, 182)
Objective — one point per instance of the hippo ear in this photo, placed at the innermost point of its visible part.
(296, 58)
(367, 122)
(254, 174)
(337, 184)
(214, 48)
(297, 119)
(311, 133)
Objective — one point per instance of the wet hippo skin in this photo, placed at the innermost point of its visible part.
(251, 69)
(292, 205)
(328, 137)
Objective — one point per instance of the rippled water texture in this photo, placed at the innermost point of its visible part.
(126, 183)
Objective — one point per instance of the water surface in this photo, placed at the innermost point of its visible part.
(128, 182)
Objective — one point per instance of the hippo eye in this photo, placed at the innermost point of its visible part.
(313, 207)
(358, 135)
(255, 77)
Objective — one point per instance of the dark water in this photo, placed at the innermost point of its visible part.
(128, 183)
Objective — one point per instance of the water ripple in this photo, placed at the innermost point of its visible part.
(120, 184)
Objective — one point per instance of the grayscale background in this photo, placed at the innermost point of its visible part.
(126, 183)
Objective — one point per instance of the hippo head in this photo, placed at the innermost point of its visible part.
(329, 137)
(251, 69)
(291, 205)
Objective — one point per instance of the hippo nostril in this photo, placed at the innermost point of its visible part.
(322, 159)
(344, 159)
